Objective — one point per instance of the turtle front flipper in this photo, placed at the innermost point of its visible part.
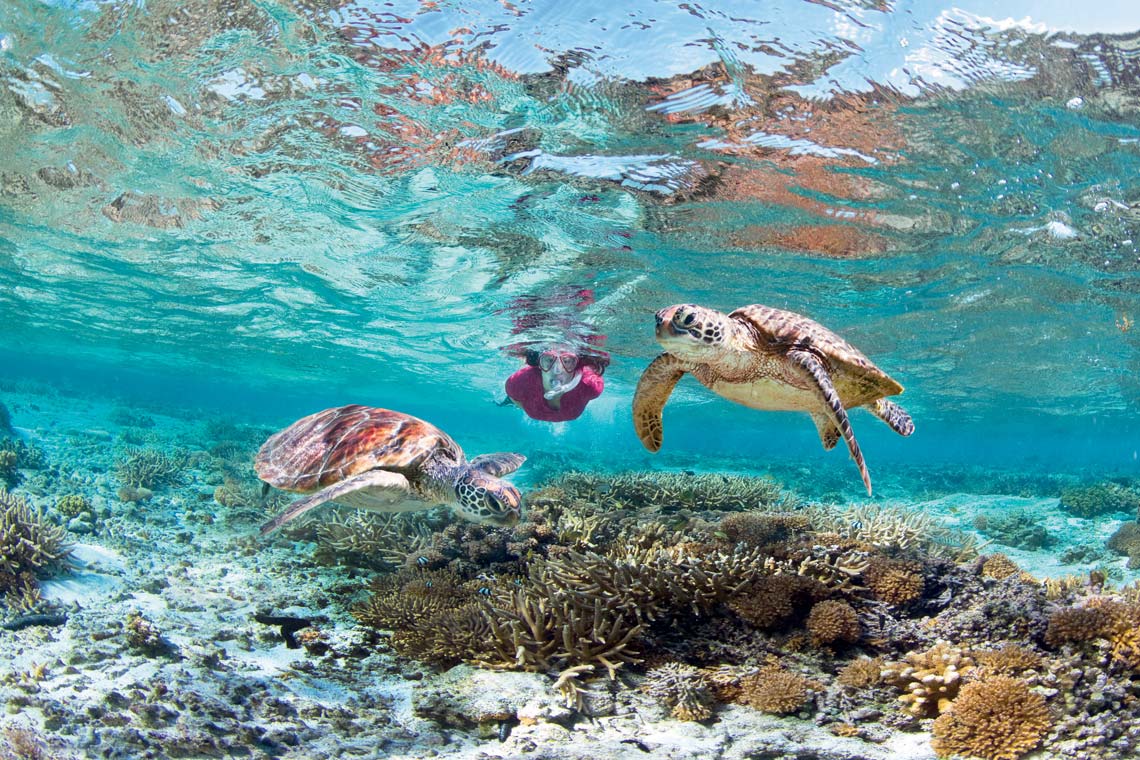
(653, 389)
(833, 406)
(370, 479)
(892, 414)
(499, 464)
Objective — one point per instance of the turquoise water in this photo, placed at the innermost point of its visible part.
(219, 217)
(277, 207)
(309, 205)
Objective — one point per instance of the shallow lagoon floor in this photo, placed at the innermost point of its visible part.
(163, 655)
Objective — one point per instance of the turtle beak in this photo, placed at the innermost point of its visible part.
(665, 322)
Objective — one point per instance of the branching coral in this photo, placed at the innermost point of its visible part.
(366, 538)
(929, 680)
(761, 528)
(1010, 659)
(998, 718)
(833, 622)
(73, 505)
(775, 690)
(150, 468)
(28, 546)
(9, 469)
(682, 688)
(771, 601)
(861, 673)
(897, 530)
(668, 491)
(999, 566)
(896, 582)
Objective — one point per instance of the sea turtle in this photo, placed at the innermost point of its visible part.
(384, 461)
(766, 358)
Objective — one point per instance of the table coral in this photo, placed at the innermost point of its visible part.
(998, 718)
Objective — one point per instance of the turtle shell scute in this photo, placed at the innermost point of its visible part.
(334, 444)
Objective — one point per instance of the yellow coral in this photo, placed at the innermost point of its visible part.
(999, 566)
(999, 718)
(930, 680)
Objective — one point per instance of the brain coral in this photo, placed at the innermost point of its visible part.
(995, 719)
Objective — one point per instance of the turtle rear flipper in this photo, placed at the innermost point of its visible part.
(828, 433)
(653, 390)
(373, 479)
(821, 381)
(892, 414)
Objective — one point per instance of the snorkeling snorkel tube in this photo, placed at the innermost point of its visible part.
(560, 390)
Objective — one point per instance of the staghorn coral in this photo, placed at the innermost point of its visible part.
(775, 690)
(896, 530)
(999, 566)
(833, 622)
(669, 491)
(367, 539)
(1099, 499)
(896, 582)
(408, 598)
(998, 718)
(684, 689)
(28, 456)
(28, 547)
(929, 680)
(150, 468)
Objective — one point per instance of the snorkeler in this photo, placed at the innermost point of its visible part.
(556, 384)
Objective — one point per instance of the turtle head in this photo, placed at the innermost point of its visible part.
(483, 498)
(692, 332)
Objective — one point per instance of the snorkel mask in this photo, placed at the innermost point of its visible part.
(560, 372)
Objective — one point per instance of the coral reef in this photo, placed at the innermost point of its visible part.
(1126, 541)
(833, 622)
(998, 718)
(929, 680)
(366, 539)
(9, 469)
(684, 689)
(73, 505)
(999, 566)
(896, 582)
(150, 468)
(896, 531)
(669, 491)
(1100, 499)
(29, 546)
(1019, 529)
(776, 690)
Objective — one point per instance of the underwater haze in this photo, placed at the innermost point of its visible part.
(220, 216)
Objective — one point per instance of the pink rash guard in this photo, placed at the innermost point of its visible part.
(525, 388)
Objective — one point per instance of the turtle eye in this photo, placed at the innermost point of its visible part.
(688, 320)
